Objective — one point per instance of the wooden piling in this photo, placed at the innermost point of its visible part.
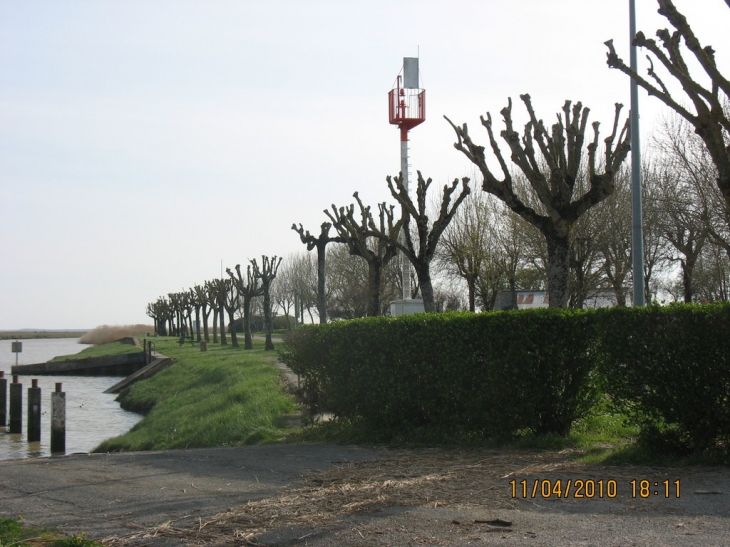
(16, 406)
(34, 412)
(58, 420)
(3, 399)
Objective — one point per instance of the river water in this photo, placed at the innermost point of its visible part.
(91, 415)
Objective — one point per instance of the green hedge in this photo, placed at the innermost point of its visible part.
(669, 368)
(497, 374)
(493, 374)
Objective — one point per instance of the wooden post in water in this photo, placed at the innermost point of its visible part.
(34, 412)
(58, 420)
(16, 406)
(3, 399)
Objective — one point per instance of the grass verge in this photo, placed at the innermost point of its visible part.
(114, 348)
(222, 397)
(602, 438)
(15, 533)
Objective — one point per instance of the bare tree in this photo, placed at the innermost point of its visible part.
(682, 226)
(232, 303)
(203, 296)
(561, 151)
(248, 290)
(464, 244)
(708, 113)
(267, 274)
(219, 291)
(612, 218)
(356, 235)
(421, 252)
(347, 284)
(320, 243)
(160, 311)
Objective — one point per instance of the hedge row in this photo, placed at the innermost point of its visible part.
(499, 373)
(492, 373)
(669, 368)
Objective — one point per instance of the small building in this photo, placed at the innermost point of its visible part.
(524, 300)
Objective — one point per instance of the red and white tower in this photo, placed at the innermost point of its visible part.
(406, 109)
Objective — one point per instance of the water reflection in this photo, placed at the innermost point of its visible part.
(91, 415)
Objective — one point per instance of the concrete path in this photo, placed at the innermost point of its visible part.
(114, 494)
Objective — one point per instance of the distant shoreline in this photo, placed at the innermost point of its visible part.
(27, 334)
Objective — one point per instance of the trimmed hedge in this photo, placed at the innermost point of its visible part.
(492, 374)
(496, 374)
(669, 369)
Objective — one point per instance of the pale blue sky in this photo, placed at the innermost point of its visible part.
(142, 142)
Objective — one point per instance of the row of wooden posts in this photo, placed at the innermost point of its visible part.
(14, 419)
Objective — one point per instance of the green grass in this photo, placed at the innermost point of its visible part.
(115, 348)
(222, 397)
(603, 438)
(15, 533)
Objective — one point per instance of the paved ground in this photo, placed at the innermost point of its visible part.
(363, 503)
(114, 494)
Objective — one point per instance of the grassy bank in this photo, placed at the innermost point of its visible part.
(222, 397)
(115, 348)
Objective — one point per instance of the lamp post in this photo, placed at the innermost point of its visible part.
(637, 231)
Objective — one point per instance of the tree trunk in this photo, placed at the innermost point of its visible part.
(206, 313)
(373, 288)
(558, 270)
(687, 269)
(269, 345)
(231, 319)
(215, 325)
(247, 338)
(224, 341)
(197, 322)
(321, 305)
(471, 284)
(424, 282)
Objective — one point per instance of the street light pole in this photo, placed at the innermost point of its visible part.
(637, 236)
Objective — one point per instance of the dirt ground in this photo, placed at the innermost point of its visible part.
(326, 496)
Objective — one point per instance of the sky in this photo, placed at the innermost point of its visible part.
(143, 143)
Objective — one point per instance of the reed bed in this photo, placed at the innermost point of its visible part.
(111, 333)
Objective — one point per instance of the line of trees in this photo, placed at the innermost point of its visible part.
(546, 208)
(225, 298)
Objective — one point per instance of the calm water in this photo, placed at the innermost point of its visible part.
(91, 415)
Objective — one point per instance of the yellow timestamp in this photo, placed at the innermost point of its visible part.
(591, 488)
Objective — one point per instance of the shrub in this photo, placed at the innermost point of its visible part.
(493, 373)
(668, 367)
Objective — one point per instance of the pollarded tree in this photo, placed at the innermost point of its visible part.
(561, 152)
(267, 274)
(421, 252)
(202, 297)
(248, 290)
(320, 243)
(708, 112)
(231, 304)
(219, 291)
(197, 304)
(357, 234)
(160, 311)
